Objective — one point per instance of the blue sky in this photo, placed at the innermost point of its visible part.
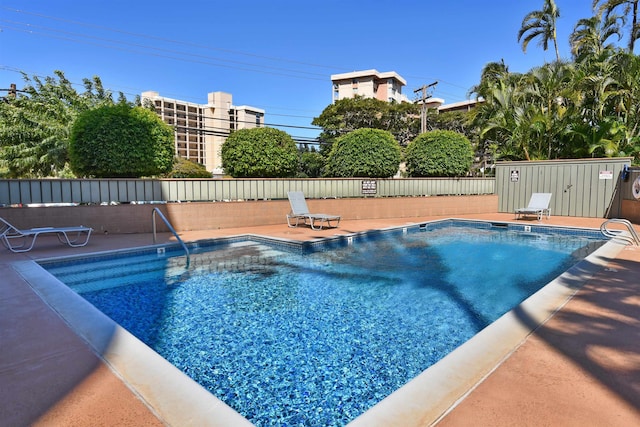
(277, 55)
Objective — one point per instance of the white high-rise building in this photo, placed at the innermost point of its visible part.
(201, 129)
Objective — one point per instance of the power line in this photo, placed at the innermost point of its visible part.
(178, 58)
(279, 59)
(216, 130)
(200, 46)
(135, 94)
(222, 132)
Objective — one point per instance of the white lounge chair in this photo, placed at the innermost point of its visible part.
(538, 205)
(300, 211)
(17, 240)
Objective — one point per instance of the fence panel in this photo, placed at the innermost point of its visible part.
(97, 191)
(582, 187)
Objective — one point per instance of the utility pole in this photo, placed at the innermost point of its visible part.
(423, 101)
(11, 92)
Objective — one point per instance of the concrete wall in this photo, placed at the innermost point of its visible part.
(206, 215)
(629, 205)
(631, 210)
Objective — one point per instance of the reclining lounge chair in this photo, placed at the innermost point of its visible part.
(538, 205)
(300, 211)
(17, 240)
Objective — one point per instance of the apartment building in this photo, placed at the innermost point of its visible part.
(201, 129)
(370, 84)
(467, 105)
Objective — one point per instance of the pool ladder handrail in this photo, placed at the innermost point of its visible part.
(168, 224)
(631, 239)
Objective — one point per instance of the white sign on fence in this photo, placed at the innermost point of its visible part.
(606, 175)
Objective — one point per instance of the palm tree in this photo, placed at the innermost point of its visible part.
(548, 91)
(629, 8)
(506, 122)
(605, 139)
(541, 24)
(492, 73)
(625, 104)
(590, 35)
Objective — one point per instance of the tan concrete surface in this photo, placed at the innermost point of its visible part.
(48, 375)
(581, 368)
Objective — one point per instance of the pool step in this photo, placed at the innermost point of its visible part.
(109, 269)
(169, 268)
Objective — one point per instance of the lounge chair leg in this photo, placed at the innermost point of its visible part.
(290, 224)
(75, 243)
(313, 227)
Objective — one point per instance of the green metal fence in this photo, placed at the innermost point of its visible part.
(584, 187)
(104, 191)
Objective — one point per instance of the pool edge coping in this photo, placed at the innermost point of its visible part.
(177, 402)
(169, 393)
(430, 396)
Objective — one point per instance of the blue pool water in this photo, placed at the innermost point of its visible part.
(291, 337)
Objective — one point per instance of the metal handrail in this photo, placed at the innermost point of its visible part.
(631, 239)
(166, 222)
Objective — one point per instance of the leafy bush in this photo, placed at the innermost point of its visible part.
(439, 153)
(312, 164)
(348, 114)
(35, 124)
(259, 153)
(183, 168)
(365, 153)
(120, 141)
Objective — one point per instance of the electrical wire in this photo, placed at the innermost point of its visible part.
(211, 48)
(193, 60)
(163, 39)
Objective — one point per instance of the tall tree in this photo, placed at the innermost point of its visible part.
(629, 9)
(541, 24)
(35, 124)
(497, 120)
(625, 105)
(349, 114)
(548, 91)
(492, 73)
(590, 35)
(588, 107)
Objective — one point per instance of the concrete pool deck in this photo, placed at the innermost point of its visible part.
(582, 367)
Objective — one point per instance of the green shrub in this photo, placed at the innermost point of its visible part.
(183, 168)
(365, 152)
(120, 141)
(439, 153)
(259, 153)
(312, 164)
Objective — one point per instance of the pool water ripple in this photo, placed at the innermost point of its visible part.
(319, 338)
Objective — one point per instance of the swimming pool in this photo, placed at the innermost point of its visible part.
(373, 347)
